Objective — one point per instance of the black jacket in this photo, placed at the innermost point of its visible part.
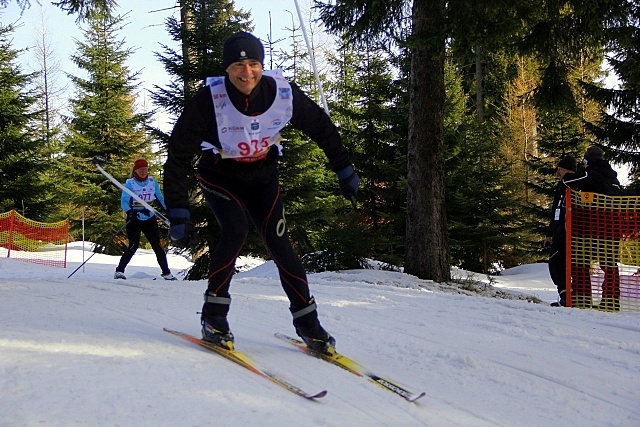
(598, 177)
(558, 211)
(197, 123)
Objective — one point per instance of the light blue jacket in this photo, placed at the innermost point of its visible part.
(148, 190)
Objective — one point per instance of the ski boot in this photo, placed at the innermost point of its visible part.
(308, 328)
(215, 328)
(216, 331)
(562, 302)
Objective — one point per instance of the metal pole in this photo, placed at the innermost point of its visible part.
(96, 246)
(312, 59)
(82, 240)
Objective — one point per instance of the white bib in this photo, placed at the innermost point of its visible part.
(245, 137)
(145, 192)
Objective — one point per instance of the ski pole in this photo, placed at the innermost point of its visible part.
(96, 246)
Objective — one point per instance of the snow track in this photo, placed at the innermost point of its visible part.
(91, 351)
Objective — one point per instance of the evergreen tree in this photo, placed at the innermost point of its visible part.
(23, 160)
(534, 95)
(80, 7)
(490, 173)
(315, 210)
(426, 251)
(562, 107)
(367, 107)
(483, 229)
(104, 123)
(518, 132)
(618, 127)
(201, 31)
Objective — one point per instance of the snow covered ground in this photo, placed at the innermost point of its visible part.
(90, 351)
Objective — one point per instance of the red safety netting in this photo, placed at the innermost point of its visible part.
(603, 244)
(33, 241)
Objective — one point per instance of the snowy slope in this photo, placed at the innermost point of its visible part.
(90, 351)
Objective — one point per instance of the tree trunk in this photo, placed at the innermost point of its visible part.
(427, 250)
(479, 86)
(188, 55)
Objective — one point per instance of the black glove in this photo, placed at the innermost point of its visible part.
(181, 231)
(349, 181)
(131, 215)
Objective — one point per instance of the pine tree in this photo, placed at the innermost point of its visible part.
(618, 127)
(23, 160)
(526, 78)
(104, 123)
(80, 7)
(201, 32)
(426, 250)
(368, 102)
(309, 187)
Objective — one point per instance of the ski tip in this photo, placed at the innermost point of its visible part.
(412, 398)
(323, 393)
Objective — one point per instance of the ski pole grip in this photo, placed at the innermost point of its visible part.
(97, 160)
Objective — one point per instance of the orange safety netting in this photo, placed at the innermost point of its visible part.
(603, 244)
(33, 241)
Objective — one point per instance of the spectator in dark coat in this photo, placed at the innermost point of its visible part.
(556, 232)
(597, 177)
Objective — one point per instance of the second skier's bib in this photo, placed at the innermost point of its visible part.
(146, 192)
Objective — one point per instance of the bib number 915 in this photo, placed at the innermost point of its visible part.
(254, 147)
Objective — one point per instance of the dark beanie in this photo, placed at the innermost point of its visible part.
(593, 153)
(242, 46)
(568, 163)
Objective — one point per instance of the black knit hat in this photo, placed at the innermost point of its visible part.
(593, 153)
(242, 46)
(568, 162)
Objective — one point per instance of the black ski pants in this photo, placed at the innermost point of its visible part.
(152, 233)
(558, 263)
(228, 198)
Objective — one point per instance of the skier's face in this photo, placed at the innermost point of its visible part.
(142, 172)
(245, 74)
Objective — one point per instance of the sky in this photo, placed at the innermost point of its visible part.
(90, 351)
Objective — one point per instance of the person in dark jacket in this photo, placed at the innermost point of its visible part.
(597, 177)
(556, 232)
(233, 123)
